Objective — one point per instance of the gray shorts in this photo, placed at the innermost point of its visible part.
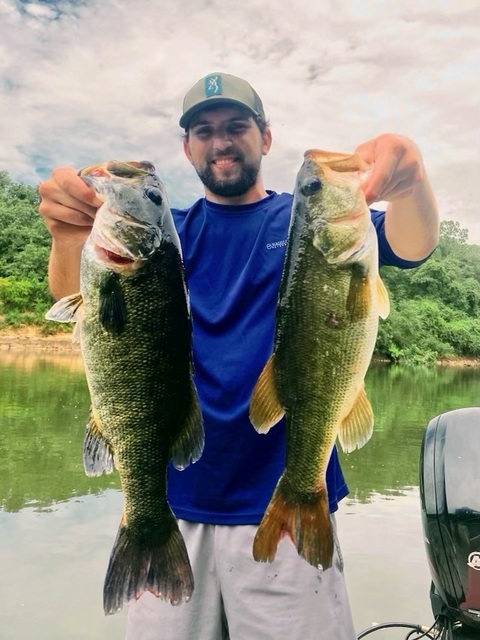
(236, 598)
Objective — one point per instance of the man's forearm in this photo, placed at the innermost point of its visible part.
(412, 223)
(64, 269)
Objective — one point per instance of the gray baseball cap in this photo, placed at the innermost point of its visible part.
(220, 88)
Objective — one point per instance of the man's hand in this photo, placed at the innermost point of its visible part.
(68, 206)
(397, 167)
(398, 176)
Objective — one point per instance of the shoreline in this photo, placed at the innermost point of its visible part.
(31, 340)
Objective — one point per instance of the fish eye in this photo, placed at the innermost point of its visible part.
(311, 186)
(155, 195)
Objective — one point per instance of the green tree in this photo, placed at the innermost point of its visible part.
(24, 250)
(435, 307)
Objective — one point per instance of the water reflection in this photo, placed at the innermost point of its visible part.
(53, 566)
(404, 400)
(44, 405)
(57, 526)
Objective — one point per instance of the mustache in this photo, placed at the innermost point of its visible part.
(227, 153)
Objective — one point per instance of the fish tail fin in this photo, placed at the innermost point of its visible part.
(265, 406)
(305, 519)
(158, 564)
(357, 427)
(188, 446)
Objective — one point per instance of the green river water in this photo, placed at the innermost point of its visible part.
(57, 526)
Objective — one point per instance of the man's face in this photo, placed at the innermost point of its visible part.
(225, 146)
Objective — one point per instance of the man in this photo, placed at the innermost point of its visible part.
(234, 244)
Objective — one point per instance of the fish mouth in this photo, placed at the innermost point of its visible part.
(123, 244)
(105, 255)
(116, 169)
(338, 162)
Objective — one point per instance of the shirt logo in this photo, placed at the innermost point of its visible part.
(277, 245)
(213, 86)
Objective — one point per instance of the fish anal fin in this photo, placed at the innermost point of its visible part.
(112, 312)
(304, 519)
(357, 427)
(383, 299)
(265, 406)
(97, 452)
(66, 309)
(188, 446)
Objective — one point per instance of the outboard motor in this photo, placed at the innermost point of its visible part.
(450, 497)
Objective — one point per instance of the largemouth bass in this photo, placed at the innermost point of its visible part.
(133, 322)
(329, 303)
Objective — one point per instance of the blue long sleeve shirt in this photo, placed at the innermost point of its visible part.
(233, 261)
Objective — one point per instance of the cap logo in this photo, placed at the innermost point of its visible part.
(213, 86)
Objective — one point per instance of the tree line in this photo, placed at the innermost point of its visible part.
(435, 308)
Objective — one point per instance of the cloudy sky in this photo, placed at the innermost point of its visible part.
(85, 81)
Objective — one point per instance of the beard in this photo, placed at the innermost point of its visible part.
(237, 185)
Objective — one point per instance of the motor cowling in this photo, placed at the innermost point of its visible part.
(450, 499)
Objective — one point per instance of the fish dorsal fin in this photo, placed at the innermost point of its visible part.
(188, 445)
(383, 299)
(357, 427)
(97, 452)
(112, 312)
(265, 407)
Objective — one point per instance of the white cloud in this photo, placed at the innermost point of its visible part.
(82, 82)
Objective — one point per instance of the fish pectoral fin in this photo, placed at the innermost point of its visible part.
(383, 299)
(359, 298)
(66, 309)
(112, 312)
(357, 428)
(188, 445)
(265, 406)
(97, 452)
(76, 332)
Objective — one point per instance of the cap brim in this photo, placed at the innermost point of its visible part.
(214, 102)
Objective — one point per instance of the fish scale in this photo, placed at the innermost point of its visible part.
(134, 328)
(326, 324)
